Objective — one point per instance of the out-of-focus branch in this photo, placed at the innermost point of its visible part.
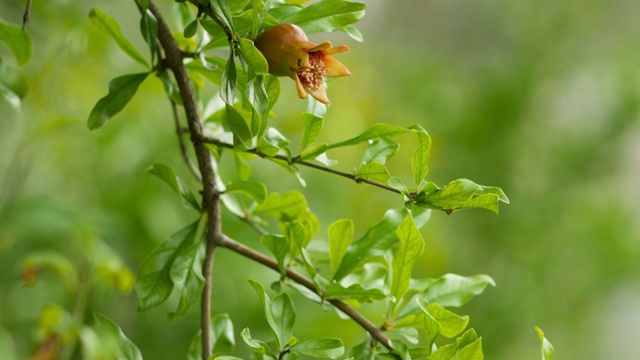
(27, 15)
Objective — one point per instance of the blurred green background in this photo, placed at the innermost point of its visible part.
(541, 98)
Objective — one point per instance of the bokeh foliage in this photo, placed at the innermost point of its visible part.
(538, 98)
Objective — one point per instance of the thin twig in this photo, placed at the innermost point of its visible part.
(376, 332)
(210, 193)
(294, 161)
(27, 15)
(183, 148)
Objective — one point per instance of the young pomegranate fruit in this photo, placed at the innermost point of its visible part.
(290, 53)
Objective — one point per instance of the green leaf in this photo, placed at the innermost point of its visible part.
(420, 158)
(155, 280)
(326, 16)
(278, 246)
(321, 347)
(166, 174)
(458, 194)
(221, 9)
(449, 352)
(229, 78)
(373, 171)
(290, 205)
(18, 41)
(546, 349)
(354, 33)
(314, 152)
(7, 345)
(221, 330)
(257, 96)
(121, 90)
(258, 347)
(374, 132)
(109, 25)
(254, 57)
(377, 240)
(340, 236)
(128, 348)
(411, 247)
(472, 351)
(354, 292)
(254, 189)
(380, 150)
(186, 270)
(14, 79)
(239, 127)
(284, 315)
(453, 290)
(451, 323)
(431, 326)
(149, 30)
(312, 127)
(144, 4)
(191, 29)
(268, 312)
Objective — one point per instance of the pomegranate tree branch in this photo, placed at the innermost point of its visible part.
(210, 193)
(297, 161)
(376, 332)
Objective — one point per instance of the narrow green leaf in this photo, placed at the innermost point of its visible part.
(149, 30)
(254, 57)
(312, 127)
(268, 312)
(109, 25)
(453, 290)
(166, 174)
(154, 283)
(354, 33)
(121, 90)
(411, 247)
(144, 4)
(377, 240)
(254, 189)
(128, 348)
(340, 236)
(373, 171)
(326, 16)
(374, 132)
(186, 270)
(420, 158)
(313, 152)
(451, 323)
(278, 246)
(221, 9)
(284, 315)
(449, 352)
(354, 292)
(18, 41)
(229, 78)
(546, 349)
(256, 94)
(321, 347)
(380, 150)
(239, 127)
(431, 326)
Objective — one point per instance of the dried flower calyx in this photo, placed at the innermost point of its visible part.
(290, 53)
